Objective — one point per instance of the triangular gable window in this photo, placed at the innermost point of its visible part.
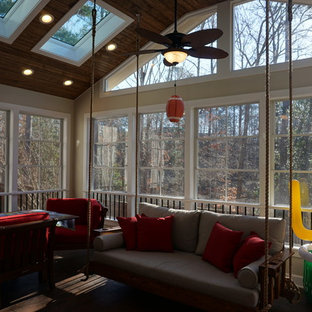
(154, 71)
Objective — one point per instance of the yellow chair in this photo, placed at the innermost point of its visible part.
(299, 229)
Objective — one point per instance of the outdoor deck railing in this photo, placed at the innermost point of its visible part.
(27, 200)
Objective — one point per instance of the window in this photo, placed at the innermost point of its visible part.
(80, 24)
(228, 153)
(72, 42)
(15, 15)
(40, 141)
(156, 72)
(161, 158)
(302, 150)
(110, 154)
(249, 33)
(6, 6)
(3, 151)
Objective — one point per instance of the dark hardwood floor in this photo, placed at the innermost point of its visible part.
(96, 294)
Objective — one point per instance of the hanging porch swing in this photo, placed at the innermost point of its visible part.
(273, 281)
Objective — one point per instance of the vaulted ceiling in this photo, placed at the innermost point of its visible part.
(50, 73)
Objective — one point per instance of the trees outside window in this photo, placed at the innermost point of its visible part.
(40, 150)
(161, 158)
(228, 153)
(249, 33)
(302, 150)
(6, 6)
(110, 154)
(3, 150)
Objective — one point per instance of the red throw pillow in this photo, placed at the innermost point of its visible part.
(251, 250)
(129, 231)
(221, 247)
(155, 234)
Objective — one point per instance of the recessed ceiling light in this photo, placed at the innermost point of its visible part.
(68, 82)
(111, 47)
(27, 72)
(46, 18)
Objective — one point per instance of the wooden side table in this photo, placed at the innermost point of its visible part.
(104, 231)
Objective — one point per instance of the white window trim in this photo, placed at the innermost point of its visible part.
(21, 14)
(14, 111)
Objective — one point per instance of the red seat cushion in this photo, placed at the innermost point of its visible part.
(154, 234)
(129, 231)
(221, 247)
(23, 218)
(251, 250)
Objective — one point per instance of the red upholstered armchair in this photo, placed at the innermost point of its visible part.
(76, 239)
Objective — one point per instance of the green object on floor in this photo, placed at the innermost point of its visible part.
(307, 280)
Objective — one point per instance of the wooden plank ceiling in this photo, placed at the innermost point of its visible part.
(50, 73)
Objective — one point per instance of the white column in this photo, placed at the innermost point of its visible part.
(189, 157)
(131, 164)
(13, 158)
(224, 11)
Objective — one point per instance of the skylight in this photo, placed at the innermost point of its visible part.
(15, 15)
(6, 6)
(70, 40)
(80, 24)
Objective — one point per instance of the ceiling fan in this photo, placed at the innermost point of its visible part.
(179, 45)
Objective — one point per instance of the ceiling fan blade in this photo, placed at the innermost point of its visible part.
(208, 53)
(152, 36)
(202, 37)
(166, 63)
(145, 52)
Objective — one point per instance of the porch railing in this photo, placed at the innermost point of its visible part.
(16, 201)
(119, 204)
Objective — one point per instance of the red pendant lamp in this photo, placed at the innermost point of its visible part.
(175, 107)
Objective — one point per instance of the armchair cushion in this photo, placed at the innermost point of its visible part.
(78, 207)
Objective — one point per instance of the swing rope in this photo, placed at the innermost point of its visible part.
(290, 239)
(137, 126)
(266, 306)
(90, 156)
(292, 291)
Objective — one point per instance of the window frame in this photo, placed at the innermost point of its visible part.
(227, 170)
(14, 111)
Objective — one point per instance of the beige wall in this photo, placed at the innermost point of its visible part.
(16, 96)
(24, 97)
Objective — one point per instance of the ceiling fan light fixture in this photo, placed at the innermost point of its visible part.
(175, 56)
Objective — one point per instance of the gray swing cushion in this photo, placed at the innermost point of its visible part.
(185, 224)
(241, 223)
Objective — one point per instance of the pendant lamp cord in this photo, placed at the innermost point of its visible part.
(137, 126)
(90, 159)
(290, 17)
(267, 145)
